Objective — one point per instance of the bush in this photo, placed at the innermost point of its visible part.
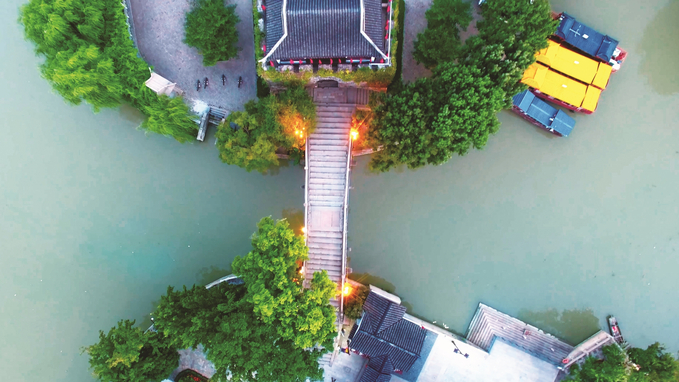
(250, 138)
(211, 28)
(89, 57)
(353, 304)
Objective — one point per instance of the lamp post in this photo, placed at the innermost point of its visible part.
(458, 351)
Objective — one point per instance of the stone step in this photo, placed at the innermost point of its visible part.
(338, 181)
(324, 234)
(318, 203)
(324, 141)
(328, 153)
(331, 272)
(321, 256)
(343, 148)
(327, 158)
(329, 265)
(326, 198)
(327, 187)
(334, 106)
(329, 134)
(337, 164)
(324, 192)
(326, 175)
(325, 113)
(317, 168)
(325, 240)
(345, 129)
(333, 247)
(344, 124)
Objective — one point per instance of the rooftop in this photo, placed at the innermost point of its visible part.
(323, 29)
(585, 38)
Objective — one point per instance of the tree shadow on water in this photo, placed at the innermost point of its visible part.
(659, 64)
(573, 326)
(295, 218)
(368, 279)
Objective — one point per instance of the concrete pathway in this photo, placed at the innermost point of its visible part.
(159, 30)
(195, 360)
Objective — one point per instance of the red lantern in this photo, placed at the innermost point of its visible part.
(264, 7)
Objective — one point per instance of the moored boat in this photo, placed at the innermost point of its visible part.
(542, 114)
(615, 329)
(560, 89)
(589, 41)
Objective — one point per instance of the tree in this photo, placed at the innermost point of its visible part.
(251, 138)
(210, 27)
(169, 116)
(610, 369)
(89, 57)
(655, 364)
(266, 329)
(510, 34)
(127, 353)
(270, 272)
(429, 121)
(440, 41)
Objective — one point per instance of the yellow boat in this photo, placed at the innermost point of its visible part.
(575, 65)
(555, 87)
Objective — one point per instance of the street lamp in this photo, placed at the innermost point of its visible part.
(458, 351)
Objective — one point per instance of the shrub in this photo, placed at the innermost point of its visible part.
(211, 28)
(250, 138)
(353, 304)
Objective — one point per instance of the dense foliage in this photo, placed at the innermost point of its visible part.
(270, 272)
(211, 28)
(651, 365)
(251, 138)
(127, 353)
(90, 57)
(440, 41)
(655, 364)
(353, 303)
(428, 121)
(258, 330)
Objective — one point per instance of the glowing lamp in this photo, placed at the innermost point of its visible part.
(347, 290)
(301, 270)
(354, 134)
(303, 229)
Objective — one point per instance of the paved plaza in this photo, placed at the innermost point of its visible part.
(159, 30)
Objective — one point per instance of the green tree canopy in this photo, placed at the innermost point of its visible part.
(260, 330)
(270, 272)
(429, 121)
(440, 41)
(127, 353)
(655, 364)
(89, 57)
(611, 369)
(211, 28)
(250, 138)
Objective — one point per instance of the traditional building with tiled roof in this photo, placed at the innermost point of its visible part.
(392, 343)
(327, 32)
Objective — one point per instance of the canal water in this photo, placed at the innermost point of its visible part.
(97, 218)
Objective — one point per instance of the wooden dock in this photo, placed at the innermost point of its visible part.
(488, 323)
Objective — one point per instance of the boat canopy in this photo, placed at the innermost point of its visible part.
(585, 38)
(563, 88)
(575, 65)
(544, 113)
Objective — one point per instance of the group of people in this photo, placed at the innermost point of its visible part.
(206, 82)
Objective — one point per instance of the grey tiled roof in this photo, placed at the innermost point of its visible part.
(383, 332)
(274, 22)
(372, 375)
(324, 29)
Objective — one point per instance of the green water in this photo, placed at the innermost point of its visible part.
(96, 219)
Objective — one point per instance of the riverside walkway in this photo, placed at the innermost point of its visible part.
(326, 196)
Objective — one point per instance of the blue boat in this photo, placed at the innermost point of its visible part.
(542, 114)
(589, 41)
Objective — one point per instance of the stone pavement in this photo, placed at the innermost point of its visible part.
(345, 368)
(195, 360)
(159, 30)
